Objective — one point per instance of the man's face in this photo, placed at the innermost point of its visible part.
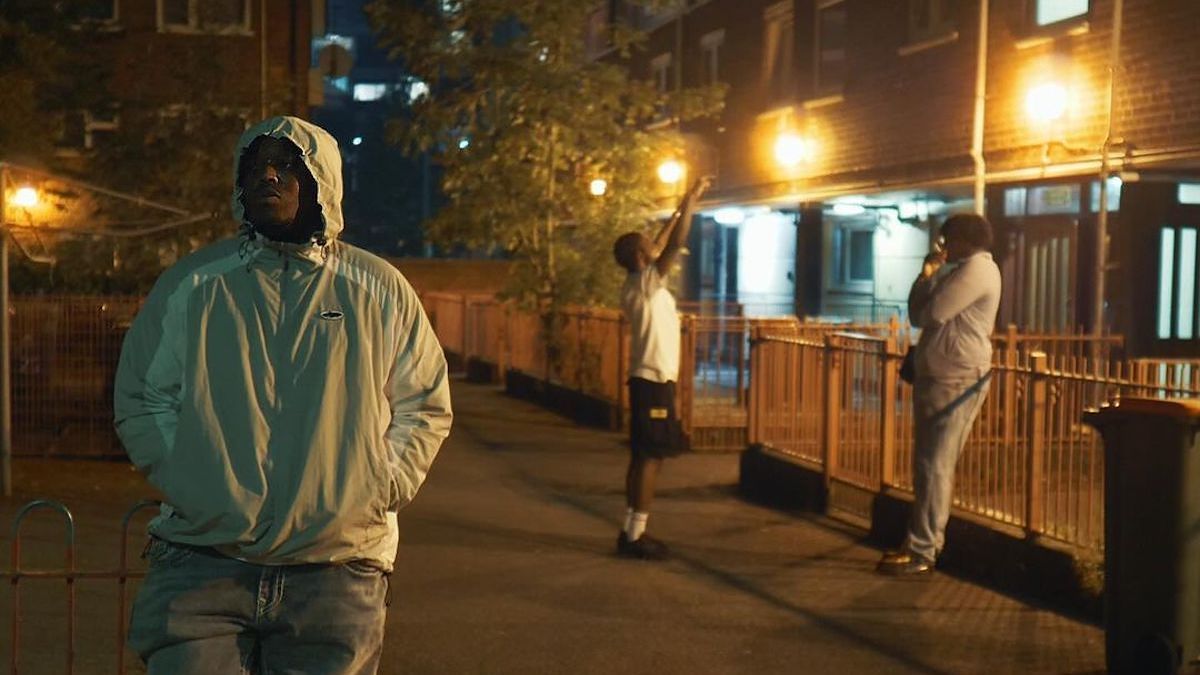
(270, 184)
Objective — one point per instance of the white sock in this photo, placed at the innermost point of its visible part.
(637, 525)
(628, 519)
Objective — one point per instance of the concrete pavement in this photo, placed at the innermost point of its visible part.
(506, 566)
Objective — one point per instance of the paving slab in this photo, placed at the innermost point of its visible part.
(506, 565)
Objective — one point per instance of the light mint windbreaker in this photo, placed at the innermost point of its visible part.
(286, 399)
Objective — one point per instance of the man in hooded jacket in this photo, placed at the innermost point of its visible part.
(286, 394)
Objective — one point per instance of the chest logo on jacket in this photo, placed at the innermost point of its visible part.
(331, 315)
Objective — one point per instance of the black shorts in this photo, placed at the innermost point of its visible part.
(654, 429)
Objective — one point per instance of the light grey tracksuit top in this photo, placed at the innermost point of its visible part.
(287, 399)
(956, 312)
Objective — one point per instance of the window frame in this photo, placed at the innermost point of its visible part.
(193, 25)
(112, 20)
(820, 89)
(779, 18)
(1171, 275)
(1031, 12)
(711, 44)
(841, 235)
(942, 28)
(660, 72)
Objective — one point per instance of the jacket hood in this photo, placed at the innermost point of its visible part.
(321, 156)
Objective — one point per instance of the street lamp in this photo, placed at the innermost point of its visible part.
(791, 149)
(25, 197)
(670, 171)
(598, 187)
(1047, 102)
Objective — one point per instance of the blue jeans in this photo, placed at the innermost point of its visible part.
(943, 412)
(199, 612)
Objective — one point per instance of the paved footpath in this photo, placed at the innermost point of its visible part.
(506, 566)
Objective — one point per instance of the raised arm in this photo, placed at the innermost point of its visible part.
(956, 292)
(674, 235)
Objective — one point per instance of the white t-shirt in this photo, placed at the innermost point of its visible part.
(653, 326)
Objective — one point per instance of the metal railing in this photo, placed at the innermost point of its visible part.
(1029, 462)
(17, 576)
(64, 356)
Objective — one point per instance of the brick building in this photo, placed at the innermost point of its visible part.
(175, 54)
(851, 132)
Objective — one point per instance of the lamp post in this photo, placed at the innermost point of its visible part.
(5, 374)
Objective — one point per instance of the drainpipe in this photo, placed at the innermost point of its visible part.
(980, 101)
(1114, 58)
(262, 59)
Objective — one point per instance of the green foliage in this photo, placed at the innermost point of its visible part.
(179, 120)
(521, 121)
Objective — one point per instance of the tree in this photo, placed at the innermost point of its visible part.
(180, 111)
(521, 121)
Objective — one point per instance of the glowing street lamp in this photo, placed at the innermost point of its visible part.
(670, 171)
(791, 149)
(598, 187)
(25, 197)
(1046, 103)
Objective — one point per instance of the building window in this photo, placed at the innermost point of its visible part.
(929, 20)
(86, 130)
(371, 91)
(598, 38)
(778, 44)
(1189, 193)
(99, 11)
(711, 45)
(831, 47)
(1049, 12)
(213, 16)
(853, 258)
(1177, 284)
(660, 70)
(1114, 194)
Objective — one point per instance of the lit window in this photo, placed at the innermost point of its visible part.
(660, 69)
(1014, 201)
(1185, 308)
(1114, 194)
(370, 91)
(1177, 310)
(928, 19)
(1048, 12)
(1051, 199)
(711, 44)
(831, 47)
(853, 258)
(778, 42)
(1166, 277)
(1189, 193)
(219, 16)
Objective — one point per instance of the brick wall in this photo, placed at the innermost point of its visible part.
(161, 66)
(908, 117)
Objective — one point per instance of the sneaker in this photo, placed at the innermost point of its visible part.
(644, 547)
(904, 564)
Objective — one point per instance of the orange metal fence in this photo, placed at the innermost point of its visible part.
(64, 356)
(1029, 461)
(18, 576)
